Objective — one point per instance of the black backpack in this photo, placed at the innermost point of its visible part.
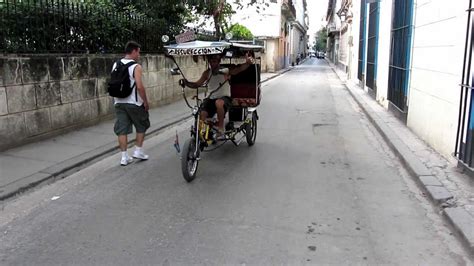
(119, 84)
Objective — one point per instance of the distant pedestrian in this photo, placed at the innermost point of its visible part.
(131, 107)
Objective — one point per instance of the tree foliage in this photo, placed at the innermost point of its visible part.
(217, 10)
(174, 13)
(240, 32)
(221, 11)
(91, 26)
(321, 40)
(103, 26)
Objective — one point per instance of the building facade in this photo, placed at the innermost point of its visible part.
(299, 32)
(411, 56)
(333, 30)
(433, 95)
(282, 26)
(344, 13)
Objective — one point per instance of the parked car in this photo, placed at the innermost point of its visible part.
(320, 55)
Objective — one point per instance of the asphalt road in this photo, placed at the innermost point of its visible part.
(319, 187)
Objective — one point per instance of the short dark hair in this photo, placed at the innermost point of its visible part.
(214, 56)
(130, 46)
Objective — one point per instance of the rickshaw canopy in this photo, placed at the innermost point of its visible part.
(197, 48)
(208, 48)
(247, 47)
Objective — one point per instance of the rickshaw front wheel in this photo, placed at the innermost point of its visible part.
(189, 160)
(251, 130)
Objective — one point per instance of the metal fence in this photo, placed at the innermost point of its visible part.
(66, 26)
(361, 61)
(465, 132)
(372, 45)
(400, 53)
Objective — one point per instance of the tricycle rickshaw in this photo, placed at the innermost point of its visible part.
(241, 118)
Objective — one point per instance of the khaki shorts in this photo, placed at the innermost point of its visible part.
(129, 115)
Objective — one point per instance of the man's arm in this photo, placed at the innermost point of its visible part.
(236, 70)
(140, 88)
(200, 81)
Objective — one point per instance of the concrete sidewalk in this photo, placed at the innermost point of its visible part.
(45, 161)
(446, 187)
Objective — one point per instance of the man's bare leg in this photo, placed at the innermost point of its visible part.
(140, 139)
(204, 115)
(122, 139)
(220, 114)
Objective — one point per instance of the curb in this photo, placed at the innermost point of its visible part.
(69, 166)
(460, 219)
(65, 168)
(463, 224)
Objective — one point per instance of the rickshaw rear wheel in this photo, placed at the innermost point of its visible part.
(189, 161)
(251, 130)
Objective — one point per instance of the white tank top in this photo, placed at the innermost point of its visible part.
(131, 98)
(215, 82)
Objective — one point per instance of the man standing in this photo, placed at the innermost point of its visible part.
(132, 110)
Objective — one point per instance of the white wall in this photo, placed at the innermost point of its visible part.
(440, 28)
(271, 55)
(299, 11)
(344, 48)
(294, 47)
(355, 40)
(297, 42)
(385, 27)
(383, 54)
(298, 34)
(263, 24)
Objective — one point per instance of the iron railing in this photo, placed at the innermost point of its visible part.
(68, 26)
(361, 60)
(400, 54)
(465, 132)
(372, 45)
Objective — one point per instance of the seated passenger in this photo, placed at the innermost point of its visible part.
(218, 85)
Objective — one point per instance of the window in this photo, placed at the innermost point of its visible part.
(361, 63)
(372, 45)
(400, 53)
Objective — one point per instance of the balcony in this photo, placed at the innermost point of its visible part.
(333, 28)
(345, 12)
(288, 10)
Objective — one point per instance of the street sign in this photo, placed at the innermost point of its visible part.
(185, 37)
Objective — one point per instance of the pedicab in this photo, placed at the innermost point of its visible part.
(241, 117)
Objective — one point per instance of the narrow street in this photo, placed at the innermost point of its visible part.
(320, 186)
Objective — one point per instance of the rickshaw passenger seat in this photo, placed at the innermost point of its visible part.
(244, 89)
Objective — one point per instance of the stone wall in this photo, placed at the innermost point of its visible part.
(45, 95)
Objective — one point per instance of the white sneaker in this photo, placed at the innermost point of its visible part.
(140, 155)
(126, 160)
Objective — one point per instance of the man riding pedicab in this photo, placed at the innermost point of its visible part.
(217, 80)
